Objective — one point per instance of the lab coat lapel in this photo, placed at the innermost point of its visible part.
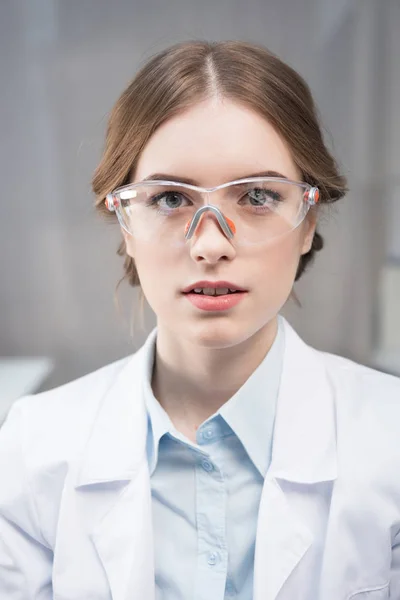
(294, 504)
(114, 477)
(282, 540)
(123, 541)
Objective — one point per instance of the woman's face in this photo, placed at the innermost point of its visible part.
(212, 143)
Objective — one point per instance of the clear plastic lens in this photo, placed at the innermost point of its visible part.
(261, 209)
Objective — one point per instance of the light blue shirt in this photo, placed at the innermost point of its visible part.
(205, 496)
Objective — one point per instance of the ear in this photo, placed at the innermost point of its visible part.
(310, 225)
(128, 239)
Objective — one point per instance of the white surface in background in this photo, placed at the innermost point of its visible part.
(19, 377)
(387, 355)
(389, 309)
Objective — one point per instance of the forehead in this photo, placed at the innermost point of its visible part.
(216, 141)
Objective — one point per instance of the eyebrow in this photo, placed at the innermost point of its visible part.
(189, 181)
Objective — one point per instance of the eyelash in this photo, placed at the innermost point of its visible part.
(154, 201)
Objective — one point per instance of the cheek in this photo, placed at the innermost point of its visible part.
(283, 257)
(276, 266)
(155, 268)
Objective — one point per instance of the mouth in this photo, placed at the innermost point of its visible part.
(214, 296)
(212, 292)
(213, 288)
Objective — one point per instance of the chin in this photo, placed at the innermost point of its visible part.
(219, 333)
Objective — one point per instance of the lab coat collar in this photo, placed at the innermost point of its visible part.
(117, 445)
(292, 516)
(304, 447)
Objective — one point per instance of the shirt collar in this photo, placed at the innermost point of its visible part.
(250, 413)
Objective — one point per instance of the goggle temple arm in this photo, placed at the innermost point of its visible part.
(227, 225)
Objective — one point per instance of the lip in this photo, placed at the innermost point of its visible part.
(213, 284)
(215, 303)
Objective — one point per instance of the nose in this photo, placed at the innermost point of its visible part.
(209, 243)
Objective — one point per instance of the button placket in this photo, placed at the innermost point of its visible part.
(211, 503)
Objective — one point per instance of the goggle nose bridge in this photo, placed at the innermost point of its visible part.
(227, 228)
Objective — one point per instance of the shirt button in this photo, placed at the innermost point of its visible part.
(209, 434)
(212, 558)
(207, 466)
(229, 587)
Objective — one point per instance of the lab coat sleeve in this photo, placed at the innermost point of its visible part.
(25, 557)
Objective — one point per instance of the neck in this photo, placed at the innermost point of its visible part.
(192, 382)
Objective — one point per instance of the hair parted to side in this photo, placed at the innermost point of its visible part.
(187, 73)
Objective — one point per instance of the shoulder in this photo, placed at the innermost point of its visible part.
(351, 382)
(61, 418)
(364, 395)
(41, 442)
(86, 391)
(363, 377)
(367, 416)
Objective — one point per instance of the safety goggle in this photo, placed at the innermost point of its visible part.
(248, 211)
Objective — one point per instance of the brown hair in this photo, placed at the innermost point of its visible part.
(186, 73)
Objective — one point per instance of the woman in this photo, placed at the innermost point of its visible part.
(226, 458)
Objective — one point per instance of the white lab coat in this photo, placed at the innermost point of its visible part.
(75, 498)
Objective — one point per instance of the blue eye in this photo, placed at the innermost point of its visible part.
(168, 201)
(260, 196)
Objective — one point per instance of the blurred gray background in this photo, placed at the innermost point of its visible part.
(63, 63)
